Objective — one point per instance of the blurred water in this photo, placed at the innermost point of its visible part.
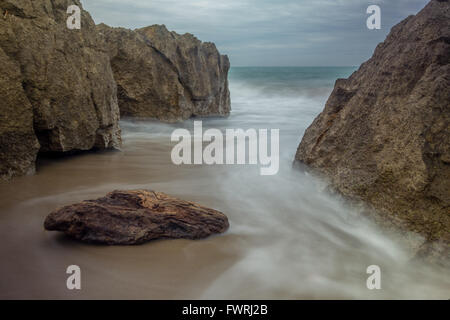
(288, 238)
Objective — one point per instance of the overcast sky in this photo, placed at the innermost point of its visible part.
(267, 33)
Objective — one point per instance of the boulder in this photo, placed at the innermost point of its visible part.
(384, 135)
(167, 76)
(58, 84)
(135, 217)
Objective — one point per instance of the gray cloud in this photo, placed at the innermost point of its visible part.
(267, 33)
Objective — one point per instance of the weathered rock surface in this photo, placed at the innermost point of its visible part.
(203, 71)
(167, 76)
(384, 135)
(148, 85)
(18, 143)
(57, 84)
(135, 217)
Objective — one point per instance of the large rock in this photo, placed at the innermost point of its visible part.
(202, 70)
(57, 84)
(135, 217)
(167, 76)
(384, 134)
(18, 143)
(148, 85)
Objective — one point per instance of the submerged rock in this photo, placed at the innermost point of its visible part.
(56, 85)
(384, 135)
(135, 217)
(167, 76)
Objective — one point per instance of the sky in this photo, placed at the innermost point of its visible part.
(267, 33)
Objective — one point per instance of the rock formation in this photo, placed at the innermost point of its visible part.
(57, 85)
(58, 88)
(384, 135)
(167, 76)
(135, 217)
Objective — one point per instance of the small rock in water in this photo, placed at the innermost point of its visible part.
(135, 217)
